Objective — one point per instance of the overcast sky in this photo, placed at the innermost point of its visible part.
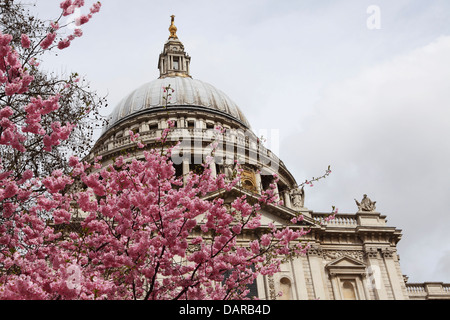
(372, 103)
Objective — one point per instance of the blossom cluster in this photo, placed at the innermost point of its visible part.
(145, 234)
(128, 229)
(69, 7)
(27, 202)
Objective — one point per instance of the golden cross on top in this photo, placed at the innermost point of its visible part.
(173, 29)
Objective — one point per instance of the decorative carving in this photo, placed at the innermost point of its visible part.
(229, 167)
(297, 198)
(366, 204)
(315, 251)
(371, 253)
(248, 180)
(387, 253)
(335, 254)
(272, 292)
(193, 248)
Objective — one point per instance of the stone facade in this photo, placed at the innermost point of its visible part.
(353, 256)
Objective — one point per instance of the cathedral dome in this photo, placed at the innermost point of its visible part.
(188, 94)
(194, 107)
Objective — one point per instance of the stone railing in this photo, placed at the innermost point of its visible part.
(428, 290)
(416, 290)
(179, 133)
(340, 220)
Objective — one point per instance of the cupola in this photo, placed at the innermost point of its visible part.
(173, 61)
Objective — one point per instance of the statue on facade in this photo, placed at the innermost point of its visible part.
(298, 198)
(366, 204)
(229, 167)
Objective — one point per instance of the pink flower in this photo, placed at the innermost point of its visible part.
(265, 240)
(61, 216)
(65, 4)
(6, 112)
(68, 7)
(133, 136)
(34, 62)
(25, 40)
(82, 20)
(12, 88)
(78, 3)
(237, 229)
(78, 33)
(54, 25)
(59, 134)
(96, 7)
(5, 39)
(48, 41)
(73, 161)
(63, 44)
(254, 246)
(28, 174)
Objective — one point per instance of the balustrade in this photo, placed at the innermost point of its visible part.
(338, 220)
(178, 133)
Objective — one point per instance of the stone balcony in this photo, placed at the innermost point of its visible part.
(207, 135)
(428, 290)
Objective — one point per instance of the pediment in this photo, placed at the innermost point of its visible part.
(346, 264)
(346, 261)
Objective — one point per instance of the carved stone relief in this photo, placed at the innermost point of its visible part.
(334, 254)
(272, 292)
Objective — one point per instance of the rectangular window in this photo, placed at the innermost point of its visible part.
(175, 63)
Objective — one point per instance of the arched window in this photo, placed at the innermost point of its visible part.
(248, 185)
(286, 289)
(348, 290)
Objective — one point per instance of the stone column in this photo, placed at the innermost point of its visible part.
(258, 182)
(143, 127)
(299, 278)
(261, 285)
(213, 168)
(287, 198)
(317, 272)
(361, 289)
(395, 279)
(185, 170)
(181, 123)
(276, 192)
(375, 280)
(111, 143)
(364, 285)
(335, 286)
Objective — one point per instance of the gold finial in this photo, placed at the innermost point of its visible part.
(173, 29)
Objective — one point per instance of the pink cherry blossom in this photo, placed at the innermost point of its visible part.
(25, 41)
(141, 231)
(48, 41)
(63, 44)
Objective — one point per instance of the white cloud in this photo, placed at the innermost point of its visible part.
(386, 133)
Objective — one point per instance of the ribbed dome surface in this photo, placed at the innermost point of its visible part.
(188, 93)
